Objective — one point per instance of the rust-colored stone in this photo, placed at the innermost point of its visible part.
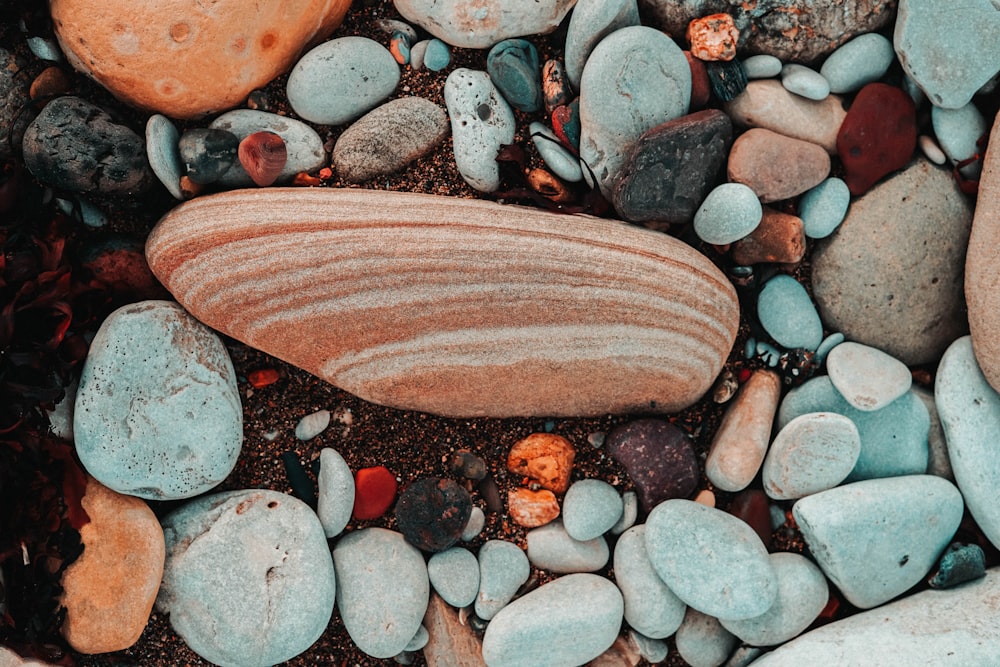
(713, 37)
(545, 458)
(779, 238)
(532, 509)
(878, 136)
(774, 166)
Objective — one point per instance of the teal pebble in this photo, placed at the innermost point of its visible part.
(788, 315)
(768, 354)
(860, 61)
(762, 67)
(399, 46)
(562, 163)
(824, 207)
(750, 348)
(437, 56)
(730, 212)
(513, 65)
(830, 342)
(959, 563)
(804, 82)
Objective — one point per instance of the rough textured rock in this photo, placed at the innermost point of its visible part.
(189, 58)
(658, 458)
(485, 23)
(13, 98)
(544, 458)
(441, 332)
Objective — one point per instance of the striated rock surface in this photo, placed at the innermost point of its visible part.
(453, 306)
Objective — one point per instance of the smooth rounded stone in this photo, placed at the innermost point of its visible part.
(876, 538)
(893, 439)
(341, 79)
(858, 62)
(957, 131)
(867, 378)
(766, 104)
(474, 526)
(630, 513)
(419, 640)
(465, 337)
(652, 650)
(335, 483)
(303, 145)
(437, 55)
(830, 342)
(392, 26)
(652, 85)
(949, 51)
(730, 212)
(158, 412)
(454, 574)
(650, 606)
(382, 589)
(824, 207)
(702, 640)
(804, 81)
(933, 627)
(792, 30)
(399, 47)
(931, 150)
(938, 462)
(432, 513)
(711, 560)
(109, 590)
(590, 22)
(969, 409)
(802, 595)
(207, 154)
(658, 458)
(312, 425)
(899, 287)
(673, 167)
(551, 548)
(389, 138)
(779, 238)
(8, 658)
(788, 315)
(812, 453)
(981, 266)
(481, 122)
(503, 568)
(740, 442)
(162, 153)
(15, 95)
(76, 146)
(878, 135)
(489, 22)
(417, 52)
(514, 68)
(590, 509)
(563, 623)
(563, 164)
(184, 60)
(261, 603)
(776, 167)
(762, 66)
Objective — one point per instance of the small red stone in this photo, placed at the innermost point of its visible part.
(566, 125)
(374, 492)
(743, 375)
(753, 507)
(878, 136)
(701, 88)
(263, 377)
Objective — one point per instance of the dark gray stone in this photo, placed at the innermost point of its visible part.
(207, 153)
(15, 112)
(658, 457)
(513, 66)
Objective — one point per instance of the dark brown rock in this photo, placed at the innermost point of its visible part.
(658, 457)
(878, 135)
(432, 512)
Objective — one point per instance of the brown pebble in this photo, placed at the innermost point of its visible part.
(263, 156)
(780, 237)
(451, 642)
(701, 88)
(545, 458)
(468, 465)
(52, 82)
(705, 497)
(532, 508)
(190, 189)
(775, 166)
(556, 90)
(547, 185)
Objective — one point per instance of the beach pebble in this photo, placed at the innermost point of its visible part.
(527, 632)
(163, 154)
(858, 62)
(312, 425)
(454, 574)
(257, 604)
(804, 81)
(514, 68)
(474, 526)
(729, 212)
(544, 458)
(417, 52)
(710, 559)
(339, 80)
(590, 22)
(14, 96)
(650, 606)
(652, 85)
(811, 453)
(658, 458)
(938, 462)
(437, 55)
(503, 568)
(551, 548)
(931, 150)
(304, 147)
(957, 131)
(563, 164)
(399, 47)
(958, 564)
(374, 492)
(491, 21)
(713, 37)
(878, 136)
(158, 412)
(824, 207)
(432, 512)
(702, 640)
(741, 440)
(630, 513)
(778, 238)
(481, 122)
(762, 66)
(876, 538)
(207, 154)
(867, 378)
(556, 88)
(591, 507)
(336, 492)
(774, 166)
(802, 595)
(788, 315)
(388, 138)
(766, 104)
(531, 509)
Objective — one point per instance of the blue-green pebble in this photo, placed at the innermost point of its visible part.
(762, 67)
(562, 163)
(860, 61)
(437, 55)
(513, 66)
(788, 315)
(824, 207)
(959, 563)
(730, 212)
(804, 81)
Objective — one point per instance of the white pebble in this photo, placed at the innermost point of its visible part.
(762, 67)
(931, 150)
(312, 425)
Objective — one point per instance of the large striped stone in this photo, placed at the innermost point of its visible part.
(453, 306)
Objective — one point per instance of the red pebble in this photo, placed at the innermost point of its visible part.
(701, 89)
(753, 507)
(263, 377)
(566, 125)
(743, 375)
(263, 156)
(878, 136)
(374, 491)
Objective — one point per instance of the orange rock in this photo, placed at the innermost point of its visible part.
(713, 37)
(780, 237)
(545, 458)
(532, 509)
(189, 58)
(109, 590)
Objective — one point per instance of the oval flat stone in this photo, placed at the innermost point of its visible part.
(658, 458)
(710, 559)
(551, 548)
(858, 62)
(303, 145)
(767, 104)
(650, 606)
(429, 322)
(804, 81)
(824, 207)
(163, 154)
(591, 507)
(813, 452)
(867, 378)
(730, 212)
(702, 641)
(563, 164)
(503, 568)
(878, 135)
(762, 66)
(454, 574)
(774, 166)
(788, 315)
(590, 22)
(563, 623)
(335, 483)
(981, 266)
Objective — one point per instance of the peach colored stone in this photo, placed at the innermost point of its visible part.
(766, 103)
(532, 509)
(189, 58)
(780, 237)
(982, 265)
(110, 589)
(713, 37)
(451, 642)
(544, 458)
(774, 166)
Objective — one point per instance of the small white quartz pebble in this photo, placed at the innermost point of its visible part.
(312, 425)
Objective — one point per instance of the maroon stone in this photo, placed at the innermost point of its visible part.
(753, 507)
(432, 512)
(658, 458)
(878, 135)
(701, 89)
(566, 125)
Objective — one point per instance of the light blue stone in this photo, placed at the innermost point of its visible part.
(90, 215)
(830, 342)
(402, 44)
(630, 512)
(702, 641)
(893, 439)
(592, 21)
(812, 453)
(730, 212)
(437, 55)
(304, 145)
(45, 48)
(750, 348)
(590, 508)
(335, 501)
(762, 67)
(163, 154)
(650, 606)
(563, 164)
(551, 548)
(475, 524)
(514, 68)
(419, 640)
(481, 122)
(824, 207)
(454, 574)
(804, 81)
(768, 353)
(860, 61)
(503, 568)
(788, 314)
(653, 651)
(957, 131)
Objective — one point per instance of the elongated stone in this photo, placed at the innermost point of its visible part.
(453, 306)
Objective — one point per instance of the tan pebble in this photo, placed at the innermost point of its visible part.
(451, 642)
(532, 508)
(983, 265)
(547, 185)
(555, 85)
(766, 103)
(623, 653)
(52, 82)
(545, 458)
(774, 166)
(779, 238)
(713, 37)
(931, 149)
(725, 388)
(705, 497)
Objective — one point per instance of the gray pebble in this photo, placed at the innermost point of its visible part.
(336, 492)
(702, 641)
(417, 52)
(503, 568)
(563, 164)
(812, 453)
(312, 425)
(481, 122)
(957, 131)
(163, 154)
(474, 526)
(551, 548)
(804, 81)
(454, 574)
(590, 508)
(867, 378)
(824, 207)
(858, 62)
(650, 606)
(630, 512)
(419, 640)
(729, 212)
(590, 22)
(762, 66)
(788, 315)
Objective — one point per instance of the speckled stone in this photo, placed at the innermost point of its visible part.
(730, 212)
(481, 122)
(775, 166)
(867, 378)
(788, 315)
(658, 458)
(812, 453)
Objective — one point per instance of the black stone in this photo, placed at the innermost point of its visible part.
(658, 458)
(432, 512)
(958, 564)
(468, 465)
(727, 78)
(207, 154)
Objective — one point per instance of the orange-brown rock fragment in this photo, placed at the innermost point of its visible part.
(451, 643)
(779, 238)
(532, 509)
(544, 458)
